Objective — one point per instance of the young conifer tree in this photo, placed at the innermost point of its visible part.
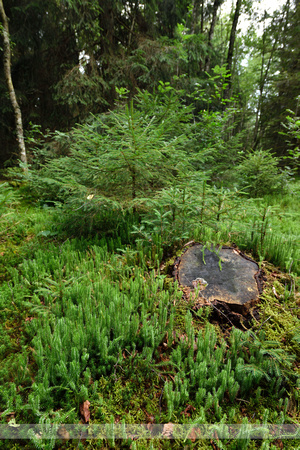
(134, 151)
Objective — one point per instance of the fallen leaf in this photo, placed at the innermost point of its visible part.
(150, 417)
(85, 411)
(188, 408)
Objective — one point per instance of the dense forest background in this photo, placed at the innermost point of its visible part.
(71, 58)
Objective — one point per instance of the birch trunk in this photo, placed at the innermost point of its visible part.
(10, 86)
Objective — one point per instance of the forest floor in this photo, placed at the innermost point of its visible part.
(94, 331)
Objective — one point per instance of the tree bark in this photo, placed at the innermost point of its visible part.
(10, 86)
(231, 44)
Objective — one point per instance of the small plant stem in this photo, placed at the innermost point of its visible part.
(262, 325)
(202, 205)
(264, 225)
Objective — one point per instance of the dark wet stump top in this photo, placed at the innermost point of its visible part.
(236, 284)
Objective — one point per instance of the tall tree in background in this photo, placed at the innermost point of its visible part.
(230, 53)
(10, 86)
(216, 6)
(267, 59)
(285, 85)
(195, 16)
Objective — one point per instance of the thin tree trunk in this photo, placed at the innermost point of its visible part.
(202, 17)
(231, 44)
(261, 89)
(195, 17)
(217, 4)
(263, 78)
(201, 30)
(10, 86)
(133, 23)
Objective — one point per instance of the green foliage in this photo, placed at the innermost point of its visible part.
(171, 195)
(116, 306)
(8, 197)
(210, 371)
(292, 133)
(94, 319)
(177, 213)
(82, 92)
(126, 155)
(258, 174)
(268, 229)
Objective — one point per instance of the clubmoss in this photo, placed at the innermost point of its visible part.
(87, 319)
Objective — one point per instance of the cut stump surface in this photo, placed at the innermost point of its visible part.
(235, 284)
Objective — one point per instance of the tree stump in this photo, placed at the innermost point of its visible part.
(224, 275)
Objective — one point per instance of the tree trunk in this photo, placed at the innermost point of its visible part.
(231, 44)
(202, 17)
(264, 72)
(10, 86)
(201, 29)
(134, 16)
(195, 17)
(261, 89)
(217, 4)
